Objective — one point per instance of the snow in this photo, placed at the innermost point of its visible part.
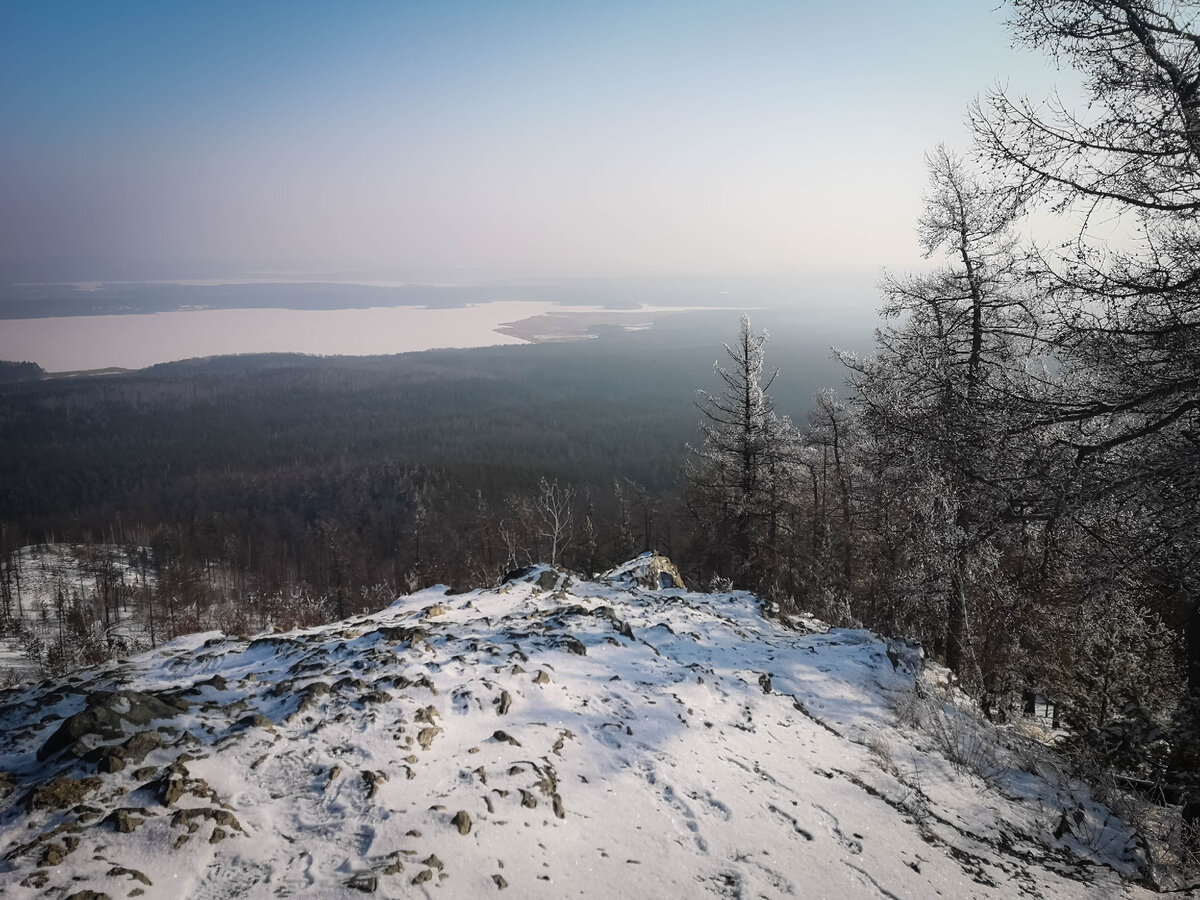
(605, 741)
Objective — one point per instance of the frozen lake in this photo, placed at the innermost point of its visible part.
(134, 341)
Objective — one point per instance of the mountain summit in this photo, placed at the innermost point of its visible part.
(550, 737)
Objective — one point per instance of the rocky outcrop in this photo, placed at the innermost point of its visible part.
(109, 715)
(649, 570)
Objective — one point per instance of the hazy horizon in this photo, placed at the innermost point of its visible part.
(412, 141)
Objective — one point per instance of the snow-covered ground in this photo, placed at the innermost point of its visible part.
(548, 738)
(48, 583)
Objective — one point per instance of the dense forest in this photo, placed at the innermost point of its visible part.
(1011, 476)
(342, 481)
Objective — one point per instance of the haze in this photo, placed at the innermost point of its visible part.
(479, 140)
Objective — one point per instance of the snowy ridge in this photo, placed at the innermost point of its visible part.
(582, 740)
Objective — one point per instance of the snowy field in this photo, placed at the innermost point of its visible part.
(545, 739)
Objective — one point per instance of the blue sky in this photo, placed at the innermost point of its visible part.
(508, 139)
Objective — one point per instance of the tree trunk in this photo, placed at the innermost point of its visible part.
(956, 620)
(1192, 642)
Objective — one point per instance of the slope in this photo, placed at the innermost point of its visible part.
(550, 737)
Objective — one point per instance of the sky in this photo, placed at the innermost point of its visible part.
(457, 140)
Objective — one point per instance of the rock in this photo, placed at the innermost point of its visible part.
(575, 646)
(115, 757)
(505, 737)
(427, 714)
(372, 780)
(426, 735)
(218, 835)
(541, 678)
(527, 799)
(423, 876)
(254, 720)
(503, 704)
(395, 867)
(622, 627)
(86, 894)
(118, 871)
(500, 882)
(649, 570)
(367, 882)
(520, 574)
(107, 716)
(395, 634)
(61, 793)
(53, 854)
(376, 697)
(433, 862)
(123, 821)
(462, 821)
(187, 817)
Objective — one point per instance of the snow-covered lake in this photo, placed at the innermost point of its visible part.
(133, 341)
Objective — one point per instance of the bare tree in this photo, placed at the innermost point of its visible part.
(554, 505)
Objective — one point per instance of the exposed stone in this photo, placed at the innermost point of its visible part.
(53, 854)
(462, 821)
(505, 737)
(367, 882)
(426, 735)
(107, 717)
(86, 894)
(61, 793)
(372, 780)
(541, 678)
(427, 714)
(395, 867)
(187, 817)
(115, 757)
(254, 720)
(118, 871)
(423, 876)
(500, 882)
(123, 821)
(649, 570)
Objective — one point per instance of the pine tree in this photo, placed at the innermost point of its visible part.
(742, 475)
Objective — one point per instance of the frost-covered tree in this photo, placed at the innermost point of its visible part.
(554, 505)
(741, 475)
(937, 397)
(1126, 412)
